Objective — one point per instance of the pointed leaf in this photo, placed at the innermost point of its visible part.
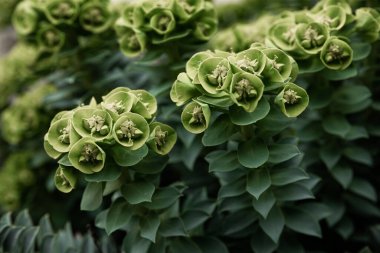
(258, 181)
(253, 153)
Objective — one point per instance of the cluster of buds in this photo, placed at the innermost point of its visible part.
(143, 24)
(53, 24)
(223, 80)
(86, 136)
(324, 32)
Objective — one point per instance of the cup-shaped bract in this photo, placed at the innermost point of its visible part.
(283, 35)
(116, 90)
(50, 39)
(49, 149)
(186, 9)
(332, 16)
(25, 18)
(246, 90)
(133, 15)
(150, 6)
(132, 42)
(336, 54)
(195, 117)
(95, 17)
(162, 21)
(91, 122)
(215, 75)
(292, 100)
(251, 61)
(368, 23)
(61, 135)
(207, 25)
(278, 65)
(61, 11)
(162, 138)
(62, 115)
(192, 65)
(64, 179)
(311, 37)
(86, 156)
(183, 90)
(117, 103)
(145, 103)
(131, 130)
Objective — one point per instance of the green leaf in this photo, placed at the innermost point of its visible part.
(163, 198)
(184, 245)
(233, 189)
(253, 153)
(210, 245)
(65, 161)
(258, 181)
(172, 227)
(23, 219)
(302, 222)
(330, 155)
(284, 176)
(222, 161)
(264, 204)
(261, 243)
(193, 219)
(28, 238)
(118, 216)
(343, 175)
(318, 211)
(334, 75)
(125, 157)
(363, 188)
(237, 221)
(138, 192)
(282, 152)
(240, 117)
(92, 197)
(224, 101)
(149, 226)
(219, 131)
(357, 132)
(345, 228)
(336, 125)
(111, 172)
(358, 154)
(361, 50)
(273, 224)
(151, 164)
(293, 192)
(140, 245)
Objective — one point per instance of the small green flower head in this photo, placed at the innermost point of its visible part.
(145, 103)
(283, 35)
(162, 138)
(311, 37)
(205, 28)
(186, 9)
(252, 61)
(50, 39)
(215, 75)
(64, 180)
(90, 122)
(162, 21)
(49, 149)
(246, 90)
(336, 54)
(86, 156)
(133, 42)
(62, 115)
(195, 117)
(332, 16)
(183, 90)
(116, 90)
(278, 65)
(150, 6)
(95, 17)
(117, 103)
(192, 65)
(61, 136)
(131, 130)
(133, 15)
(25, 18)
(292, 100)
(61, 11)
(368, 23)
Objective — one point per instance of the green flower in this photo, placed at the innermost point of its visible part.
(186, 9)
(162, 138)
(205, 28)
(86, 156)
(292, 100)
(25, 18)
(61, 135)
(131, 130)
(116, 103)
(61, 11)
(64, 179)
(215, 75)
(150, 6)
(336, 54)
(246, 90)
(145, 103)
(195, 117)
(278, 65)
(162, 21)
(50, 39)
(251, 61)
(368, 23)
(283, 35)
(332, 16)
(49, 149)
(133, 16)
(95, 123)
(62, 115)
(183, 90)
(116, 90)
(95, 17)
(132, 42)
(192, 65)
(311, 37)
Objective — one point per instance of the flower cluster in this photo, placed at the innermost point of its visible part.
(122, 123)
(144, 24)
(325, 32)
(53, 24)
(227, 80)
